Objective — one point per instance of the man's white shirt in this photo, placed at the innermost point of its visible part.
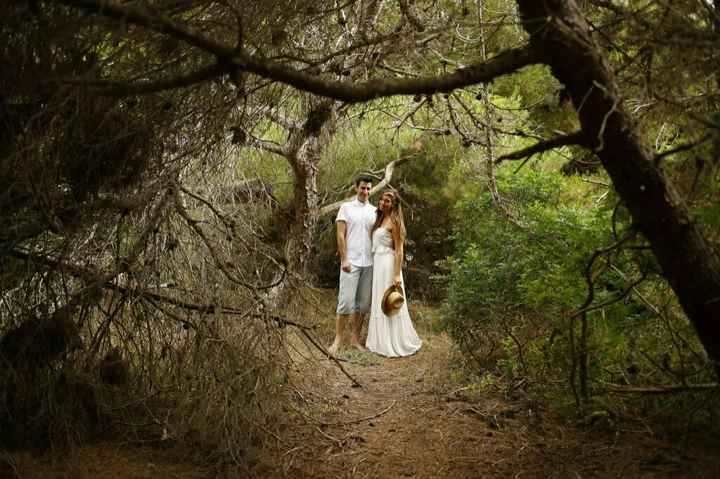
(359, 219)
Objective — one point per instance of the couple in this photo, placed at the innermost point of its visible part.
(370, 242)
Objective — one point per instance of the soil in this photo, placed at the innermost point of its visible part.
(421, 422)
(411, 417)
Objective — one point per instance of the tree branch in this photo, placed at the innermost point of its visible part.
(124, 88)
(504, 63)
(91, 276)
(282, 120)
(389, 170)
(230, 60)
(269, 146)
(680, 148)
(670, 389)
(575, 138)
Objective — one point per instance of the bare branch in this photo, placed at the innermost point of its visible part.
(504, 63)
(575, 138)
(124, 88)
(670, 389)
(389, 170)
(282, 120)
(221, 265)
(269, 146)
(680, 148)
(320, 348)
(231, 60)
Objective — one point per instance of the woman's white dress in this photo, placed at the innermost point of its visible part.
(389, 336)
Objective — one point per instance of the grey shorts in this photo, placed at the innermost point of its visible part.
(355, 290)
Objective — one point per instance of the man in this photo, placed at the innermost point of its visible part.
(353, 225)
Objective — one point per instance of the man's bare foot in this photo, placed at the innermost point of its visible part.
(357, 345)
(334, 348)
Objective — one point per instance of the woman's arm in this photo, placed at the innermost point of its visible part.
(399, 252)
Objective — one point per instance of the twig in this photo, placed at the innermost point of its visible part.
(330, 356)
(337, 441)
(355, 421)
(668, 389)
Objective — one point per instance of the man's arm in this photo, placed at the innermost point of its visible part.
(340, 228)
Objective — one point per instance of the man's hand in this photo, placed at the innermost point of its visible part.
(340, 227)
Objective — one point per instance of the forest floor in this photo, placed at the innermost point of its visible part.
(412, 417)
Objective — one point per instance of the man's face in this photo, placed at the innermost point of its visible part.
(363, 191)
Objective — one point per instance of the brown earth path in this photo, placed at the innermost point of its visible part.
(412, 418)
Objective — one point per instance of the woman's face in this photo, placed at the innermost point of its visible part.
(385, 203)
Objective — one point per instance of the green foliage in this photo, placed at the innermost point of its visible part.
(533, 85)
(514, 286)
(505, 276)
(523, 268)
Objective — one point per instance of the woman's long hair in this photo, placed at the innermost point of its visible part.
(396, 213)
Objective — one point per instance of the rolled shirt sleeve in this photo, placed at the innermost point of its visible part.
(342, 214)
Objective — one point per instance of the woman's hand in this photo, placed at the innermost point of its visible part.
(397, 280)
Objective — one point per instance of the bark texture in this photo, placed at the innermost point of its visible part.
(561, 37)
(305, 149)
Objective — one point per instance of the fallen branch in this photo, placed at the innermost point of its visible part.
(355, 421)
(320, 348)
(669, 389)
(338, 442)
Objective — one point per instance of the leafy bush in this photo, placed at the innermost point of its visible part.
(514, 290)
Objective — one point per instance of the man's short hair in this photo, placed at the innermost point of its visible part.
(363, 179)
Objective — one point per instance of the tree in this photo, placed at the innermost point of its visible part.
(688, 262)
(559, 31)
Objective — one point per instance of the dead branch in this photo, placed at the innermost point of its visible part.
(89, 275)
(320, 348)
(664, 389)
(230, 60)
(269, 146)
(180, 208)
(355, 421)
(389, 170)
(680, 148)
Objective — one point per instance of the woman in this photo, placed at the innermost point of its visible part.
(389, 336)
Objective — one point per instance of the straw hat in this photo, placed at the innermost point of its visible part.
(392, 300)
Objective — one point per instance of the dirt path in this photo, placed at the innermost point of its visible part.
(403, 422)
(412, 417)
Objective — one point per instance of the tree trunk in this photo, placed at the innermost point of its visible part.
(306, 146)
(559, 33)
